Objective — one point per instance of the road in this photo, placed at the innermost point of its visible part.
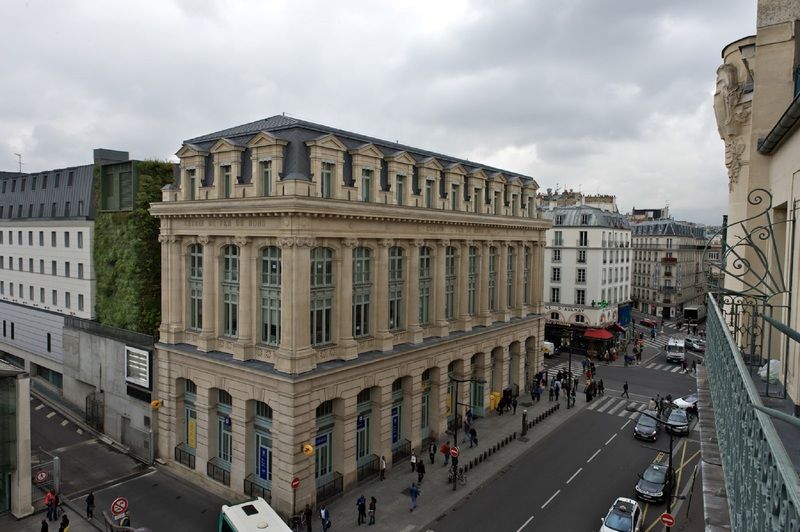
(570, 479)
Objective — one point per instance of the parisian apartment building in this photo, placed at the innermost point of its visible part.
(587, 269)
(322, 289)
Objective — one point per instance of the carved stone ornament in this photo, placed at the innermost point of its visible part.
(734, 148)
(350, 242)
(203, 240)
(444, 243)
(241, 241)
(729, 113)
(417, 242)
(286, 241)
(386, 242)
(167, 239)
(299, 241)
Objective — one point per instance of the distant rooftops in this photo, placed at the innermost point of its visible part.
(585, 216)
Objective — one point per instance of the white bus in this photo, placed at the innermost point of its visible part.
(251, 516)
(676, 350)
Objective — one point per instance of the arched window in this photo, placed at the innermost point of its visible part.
(362, 291)
(321, 303)
(449, 282)
(395, 288)
(424, 285)
(271, 296)
(230, 291)
(189, 420)
(196, 286)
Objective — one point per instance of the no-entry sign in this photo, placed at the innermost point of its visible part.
(454, 452)
(295, 483)
(119, 506)
(667, 519)
(41, 476)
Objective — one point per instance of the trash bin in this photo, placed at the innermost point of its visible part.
(494, 400)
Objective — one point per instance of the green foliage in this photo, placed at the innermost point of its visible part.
(127, 255)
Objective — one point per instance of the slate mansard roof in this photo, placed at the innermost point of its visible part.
(34, 195)
(572, 216)
(667, 228)
(296, 156)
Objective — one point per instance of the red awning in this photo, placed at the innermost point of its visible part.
(616, 327)
(598, 334)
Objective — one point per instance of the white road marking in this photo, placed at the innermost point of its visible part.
(594, 405)
(525, 524)
(633, 415)
(64, 423)
(51, 414)
(575, 474)
(551, 498)
(611, 438)
(625, 425)
(79, 431)
(677, 368)
(608, 403)
(651, 365)
(39, 407)
(592, 457)
(619, 405)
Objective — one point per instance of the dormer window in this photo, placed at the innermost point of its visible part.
(454, 199)
(497, 202)
(400, 189)
(476, 200)
(429, 193)
(585, 219)
(227, 184)
(559, 219)
(191, 182)
(266, 178)
(327, 179)
(366, 184)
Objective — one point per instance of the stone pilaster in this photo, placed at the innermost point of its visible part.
(295, 354)
(247, 266)
(412, 295)
(348, 348)
(441, 325)
(501, 288)
(239, 442)
(464, 320)
(519, 281)
(383, 337)
(484, 314)
(208, 333)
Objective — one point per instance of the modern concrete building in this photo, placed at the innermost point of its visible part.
(668, 269)
(15, 441)
(588, 268)
(323, 288)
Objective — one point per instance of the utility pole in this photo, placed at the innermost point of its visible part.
(19, 161)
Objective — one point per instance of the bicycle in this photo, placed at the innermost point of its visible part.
(297, 523)
(462, 477)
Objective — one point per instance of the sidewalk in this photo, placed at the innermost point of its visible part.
(436, 495)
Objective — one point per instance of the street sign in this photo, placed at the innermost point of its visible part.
(308, 449)
(454, 452)
(295, 483)
(41, 476)
(667, 519)
(119, 506)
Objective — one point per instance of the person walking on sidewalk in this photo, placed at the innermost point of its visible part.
(325, 517)
(694, 367)
(383, 467)
(413, 460)
(45, 527)
(550, 394)
(308, 515)
(361, 504)
(414, 493)
(473, 437)
(445, 450)
(514, 405)
(625, 390)
(64, 527)
(601, 389)
(432, 451)
(465, 428)
(90, 505)
(372, 502)
(420, 471)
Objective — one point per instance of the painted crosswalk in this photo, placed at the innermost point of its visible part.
(617, 406)
(578, 371)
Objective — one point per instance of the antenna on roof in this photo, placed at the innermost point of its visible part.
(19, 158)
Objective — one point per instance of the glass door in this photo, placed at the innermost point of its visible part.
(263, 458)
(362, 438)
(323, 459)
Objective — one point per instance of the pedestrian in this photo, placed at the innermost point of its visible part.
(420, 471)
(694, 367)
(601, 389)
(64, 527)
(473, 436)
(551, 393)
(466, 429)
(90, 505)
(413, 460)
(445, 450)
(372, 502)
(537, 391)
(325, 517)
(51, 504)
(361, 504)
(652, 404)
(533, 391)
(308, 514)
(383, 467)
(432, 451)
(625, 390)
(469, 415)
(588, 392)
(514, 405)
(414, 493)
(45, 526)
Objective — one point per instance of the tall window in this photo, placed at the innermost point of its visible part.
(395, 288)
(191, 182)
(266, 178)
(196, 286)
(492, 277)
(400, 189)
(429, 193)
(321, 304)
(514, 210)
(555, 275)
(583, 238)
(449, 281)
(327, 179)
(476, 200)
(526, 275)
(262, 425)
(580, 275)
(580, 296)
(366, 184)
(454, 199)
(230, 291)
(555, 295)
(558, 238)
(582, 256)
(496, 202)
(362, 290)
(556, 255)
(224, 432)
(271, 295)
(424, 285)
(510, 277)
(226, 181)
(472, 281)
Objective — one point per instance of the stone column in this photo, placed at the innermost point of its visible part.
(464, 322)
(349, 419)
(504, 355)
(412, 407)
(438, 424)
(239, 464)
(412, 294)
(206, 433)
(502, 282)
(210, 265)
(382, 416)
(484, 314)
(21, 504)
(348, 347)
(247, 264)
(537, 276)
(166, 288)
(380, 301)
(295, 354)
(519, 280)
(295, 417)
(441, 325)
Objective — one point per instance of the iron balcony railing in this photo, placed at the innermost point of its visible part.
(368, 468)
(330, 489)
(218, 473)
(254, 489)
(401, 451)
(182, 456)
(760, 480)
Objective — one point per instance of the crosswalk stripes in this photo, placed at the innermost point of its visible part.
(577, 368)
(617, 406)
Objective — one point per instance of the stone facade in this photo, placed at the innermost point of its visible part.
(323, 288)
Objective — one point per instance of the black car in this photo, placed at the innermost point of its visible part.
(646, 427)
(653, 483)
(678, 422)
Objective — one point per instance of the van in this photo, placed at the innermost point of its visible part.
(676, 350)
(548, 349)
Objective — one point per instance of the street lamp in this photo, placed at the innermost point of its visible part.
(671, 475)
(565, 340)
(455, 430)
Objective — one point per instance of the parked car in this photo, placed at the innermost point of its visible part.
(686, 402)
(646, 427)
(696, 344)
(647, 322)
(654, 481)
(678, 422)
(625, 515)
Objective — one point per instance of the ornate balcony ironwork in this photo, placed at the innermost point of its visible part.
(328, 490)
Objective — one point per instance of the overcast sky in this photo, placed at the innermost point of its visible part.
(606, 96)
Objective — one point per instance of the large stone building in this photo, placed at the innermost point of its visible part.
(668, 268)
(15, 441)
(588, 268)
(322, 287)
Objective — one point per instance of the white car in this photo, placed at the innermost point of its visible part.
(687, 402)
(625, 515)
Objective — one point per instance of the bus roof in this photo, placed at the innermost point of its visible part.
(254, 515)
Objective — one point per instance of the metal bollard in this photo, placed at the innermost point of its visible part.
(524, 422)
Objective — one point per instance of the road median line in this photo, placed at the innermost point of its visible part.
(553, 496)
